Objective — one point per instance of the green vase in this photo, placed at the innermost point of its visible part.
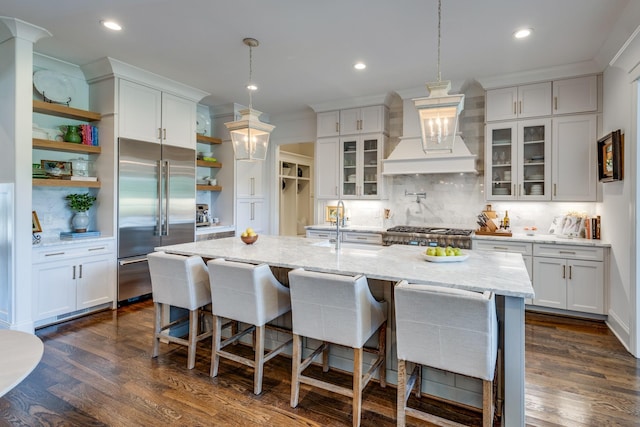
(73, 135)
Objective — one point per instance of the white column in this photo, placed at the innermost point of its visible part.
(16, 68)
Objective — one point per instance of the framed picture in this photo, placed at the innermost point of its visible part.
(611, 157)
(35, 224)
(56, 168)
(332, 213)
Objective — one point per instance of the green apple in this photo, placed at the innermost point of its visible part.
(449, 252)
(457, 252)
(441, 251)
(431, 251)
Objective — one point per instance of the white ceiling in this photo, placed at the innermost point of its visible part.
(307, 48)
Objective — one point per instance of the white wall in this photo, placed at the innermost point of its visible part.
(617, 197)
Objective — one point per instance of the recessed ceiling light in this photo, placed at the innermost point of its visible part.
(523, 33)
(112, 25)
(360, 66)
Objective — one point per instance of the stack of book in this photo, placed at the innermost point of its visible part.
(592, 227)
(89, 135)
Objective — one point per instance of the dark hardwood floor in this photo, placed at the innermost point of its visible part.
(97, 371)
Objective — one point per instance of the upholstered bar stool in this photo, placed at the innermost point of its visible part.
(449, 329)
(336, 309)
(249, 294)
(183, 282)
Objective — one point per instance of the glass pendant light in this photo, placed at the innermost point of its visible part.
(439, 111)
(249, 135)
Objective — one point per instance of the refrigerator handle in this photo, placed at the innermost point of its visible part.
(158, 231)
(167, 197)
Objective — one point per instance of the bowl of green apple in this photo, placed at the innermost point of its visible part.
(448, 254)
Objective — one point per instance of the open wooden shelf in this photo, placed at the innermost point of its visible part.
(64, 111)
(200, 187)
(65, 146)
(208, 164)
(208, 139)
(40, 182)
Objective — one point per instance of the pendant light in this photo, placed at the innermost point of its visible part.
(439, 111)
(250, 136)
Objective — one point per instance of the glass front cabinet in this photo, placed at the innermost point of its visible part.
(518, 156)
(360, 158)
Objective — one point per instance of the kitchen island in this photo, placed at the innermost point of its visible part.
(502, 273)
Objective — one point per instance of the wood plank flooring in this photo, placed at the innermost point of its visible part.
(97, 371)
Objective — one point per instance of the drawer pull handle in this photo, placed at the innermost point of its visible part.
(96, 249)
(569, 272)
(54, 254)
(498, 248)
(361, 238)
(74, 272)
(567, 252)
(80, 276)
(564, 270)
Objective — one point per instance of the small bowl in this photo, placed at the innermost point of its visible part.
(249, 240)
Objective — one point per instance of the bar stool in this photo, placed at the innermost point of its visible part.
(183, 282)
(249, 294)
(449, 329)
(336, 309)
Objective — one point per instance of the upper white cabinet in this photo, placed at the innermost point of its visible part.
(575, 95)
(574, 158)
(249, 179)
(326, 174)
(533, 100)
(148, 114)
(360, 165)
(518, 158)
(364, 120)
(328, 124)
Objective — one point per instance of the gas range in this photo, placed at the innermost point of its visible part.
(427, 236)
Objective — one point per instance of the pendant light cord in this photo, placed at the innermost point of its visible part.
(439, 21)
(250, 76)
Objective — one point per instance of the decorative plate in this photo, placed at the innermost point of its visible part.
(202, 124)
(53, 85)
(458, 258)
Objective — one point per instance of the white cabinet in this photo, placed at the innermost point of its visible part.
(362, 237)
(69, 278)
(532, 100)
(321, 234)
(148, 114)
(251, 213)
(574, 158)
(360, 158)
(575, 95)
(249, 179)
(328, 124)
(364, 120)
(569, 278)
(327, 173)
(518, 159)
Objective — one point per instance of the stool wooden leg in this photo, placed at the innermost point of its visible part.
(357, 385)
(157, 326)
(487, 403)
(401, 400)
(193, 338)
(215, 345)
(325, 358)
(259, 359)
(382, 352)
(295, 370)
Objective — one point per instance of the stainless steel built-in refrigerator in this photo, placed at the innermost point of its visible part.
(156, 206)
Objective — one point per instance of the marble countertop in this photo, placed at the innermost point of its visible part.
(545, 238)
(499, 272)
(360, 228)
(55, 241)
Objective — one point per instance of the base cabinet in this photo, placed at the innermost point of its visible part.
(68, 279)
(569, 278)
(251, 213)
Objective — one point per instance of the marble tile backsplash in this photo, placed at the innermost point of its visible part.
(53, 213)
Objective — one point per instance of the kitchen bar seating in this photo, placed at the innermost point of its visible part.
(336, 309)
(449, 329)
(183, 282)
(249, 294)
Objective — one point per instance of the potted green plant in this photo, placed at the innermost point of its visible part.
(80, 204)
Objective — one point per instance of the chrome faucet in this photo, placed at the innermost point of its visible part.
(340, 203)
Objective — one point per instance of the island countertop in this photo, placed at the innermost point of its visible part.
(499, 272)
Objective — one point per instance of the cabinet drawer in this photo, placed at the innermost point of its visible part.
(54, 253)
(568, 251)
(321, 234)
(500, 246)
(358, 237)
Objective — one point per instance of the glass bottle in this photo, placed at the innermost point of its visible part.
(505, 221)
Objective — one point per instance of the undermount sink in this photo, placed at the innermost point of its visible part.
(349, 245)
